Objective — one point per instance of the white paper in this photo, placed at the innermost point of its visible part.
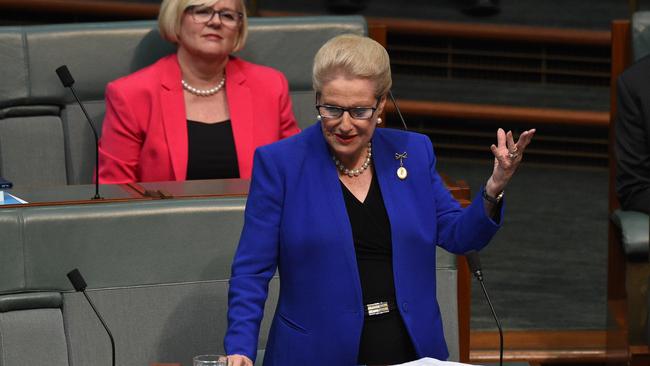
(428, 361)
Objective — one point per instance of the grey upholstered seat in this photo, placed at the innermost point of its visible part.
(157, 270)
(44, 138)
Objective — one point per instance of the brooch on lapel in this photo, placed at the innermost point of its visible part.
(402, 173)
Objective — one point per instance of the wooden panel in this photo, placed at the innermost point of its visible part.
(621, 59)
(89, 7)
(377, 32)
(539, 346)
(482, 31)
(617, 332)
(502, 113)
(496, 31)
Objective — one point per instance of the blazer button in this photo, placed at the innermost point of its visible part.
(405, 307)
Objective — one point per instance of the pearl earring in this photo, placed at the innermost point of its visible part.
(319, 117)
(379, 120)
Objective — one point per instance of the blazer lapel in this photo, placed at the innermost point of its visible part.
(391, 186)
(174, 116)
(331, 195)
(240, 105)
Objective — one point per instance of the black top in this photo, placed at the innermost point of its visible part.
(211, 151)
(384, 339)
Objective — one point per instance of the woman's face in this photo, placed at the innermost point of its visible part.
(348, 137)
(213, 38)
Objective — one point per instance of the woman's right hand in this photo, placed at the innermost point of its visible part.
(239, 360)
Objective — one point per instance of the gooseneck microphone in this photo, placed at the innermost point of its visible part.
(475, 267)
(399, 113)
(68, 81)
(79, 285)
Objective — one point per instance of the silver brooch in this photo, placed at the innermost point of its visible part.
(402, 173)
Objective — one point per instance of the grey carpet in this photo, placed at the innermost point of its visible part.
(547, 266)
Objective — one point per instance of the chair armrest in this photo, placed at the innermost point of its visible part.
(635, 233)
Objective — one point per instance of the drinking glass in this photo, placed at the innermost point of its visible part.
(210, 360)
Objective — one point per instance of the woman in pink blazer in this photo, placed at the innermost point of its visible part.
(199, 113)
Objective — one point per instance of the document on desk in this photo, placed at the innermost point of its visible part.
(428, 361)
(10, 199)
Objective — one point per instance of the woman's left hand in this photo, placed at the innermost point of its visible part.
(507, 156)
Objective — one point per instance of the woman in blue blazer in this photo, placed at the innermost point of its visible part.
(351, 215)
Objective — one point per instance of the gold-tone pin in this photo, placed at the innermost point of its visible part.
(402, 173)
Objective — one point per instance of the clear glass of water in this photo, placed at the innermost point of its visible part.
(210, 360)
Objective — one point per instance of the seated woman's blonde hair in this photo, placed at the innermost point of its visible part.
(171, 13)
(352, 56)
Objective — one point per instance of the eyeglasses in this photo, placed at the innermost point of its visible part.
(333, 111)
(204, 14)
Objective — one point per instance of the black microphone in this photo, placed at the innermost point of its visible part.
(79, 285)
(399, 113)
(68, 81)
(475, 267)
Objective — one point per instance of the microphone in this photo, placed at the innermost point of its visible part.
(79, 285)
(399, 113)
(475, 267)
(68, 81)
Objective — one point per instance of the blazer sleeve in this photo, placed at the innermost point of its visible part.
(121, 141)
(632, 155)
(288, 123)
(459, 229)
(256, 257)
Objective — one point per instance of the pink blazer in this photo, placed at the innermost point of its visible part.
(144, 135)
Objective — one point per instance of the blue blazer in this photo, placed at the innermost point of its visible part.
(296, 221)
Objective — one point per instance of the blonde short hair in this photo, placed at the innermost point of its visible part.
(171, 14)
(353, 56)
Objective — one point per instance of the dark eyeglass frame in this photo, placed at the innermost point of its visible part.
(192, 10)
(351, 111)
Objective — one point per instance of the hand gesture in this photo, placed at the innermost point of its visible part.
(507, 156)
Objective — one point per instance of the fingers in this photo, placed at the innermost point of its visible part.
(239, 360)
(525, 138)
(501, 138)
(506, 140)
(510, 142)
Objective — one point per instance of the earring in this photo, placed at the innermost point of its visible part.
(379, 120)
(319, 117)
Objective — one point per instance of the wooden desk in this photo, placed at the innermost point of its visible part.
(82, 194)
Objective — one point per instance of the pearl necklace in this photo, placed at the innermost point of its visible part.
(203, 92)
(354, 172)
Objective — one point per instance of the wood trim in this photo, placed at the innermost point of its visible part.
(621, 59)
(89, 7)
(404, 26)
(502, 113)
(639, 355)
(495, 31)
(481, 31)
(378, 32)
(539, 346)
(76, 202)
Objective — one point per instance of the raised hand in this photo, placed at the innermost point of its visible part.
(507, 157)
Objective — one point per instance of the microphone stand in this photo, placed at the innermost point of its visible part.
(68, 81)
(475, 267)
(92, 127)
(79, 284)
